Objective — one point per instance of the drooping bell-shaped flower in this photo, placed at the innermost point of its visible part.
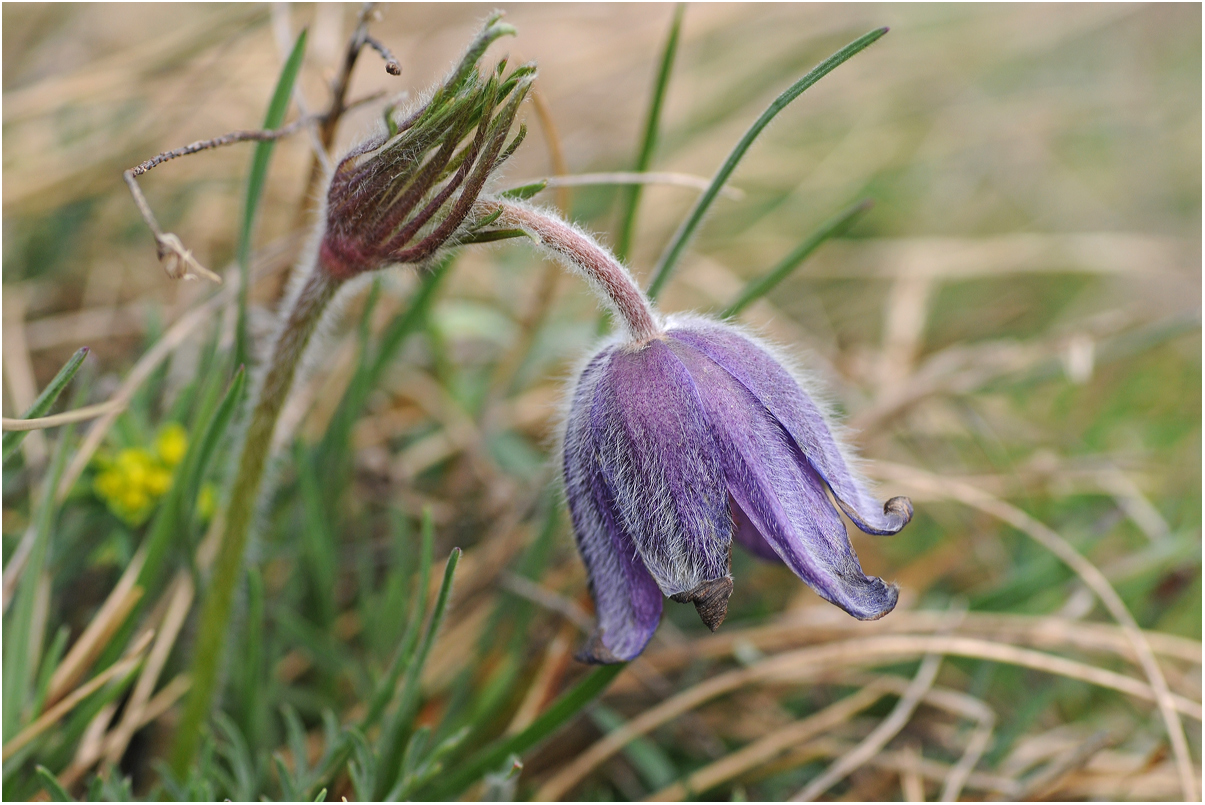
(684, 435)
(409, 191)
(678, 444)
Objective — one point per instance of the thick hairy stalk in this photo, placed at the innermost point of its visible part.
(302, 318)
(585, 256)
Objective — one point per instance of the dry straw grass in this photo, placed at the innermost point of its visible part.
(1010, 331)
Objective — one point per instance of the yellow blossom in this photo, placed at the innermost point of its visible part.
(171, 443)
(132, 482)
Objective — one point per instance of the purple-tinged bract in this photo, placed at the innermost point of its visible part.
(408, 192)
(677, 444)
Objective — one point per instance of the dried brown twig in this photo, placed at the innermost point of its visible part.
(179, 262)
(951, 488)
(810, 664)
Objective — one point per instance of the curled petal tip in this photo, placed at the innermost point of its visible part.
(899, 507)
(595, 652)
(710, 599)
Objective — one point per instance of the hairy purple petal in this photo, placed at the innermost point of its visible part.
(780, 394)
(780, 492)
(660, 459)
(748, 537)
(626, 598)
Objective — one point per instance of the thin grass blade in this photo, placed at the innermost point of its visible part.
(277, 108)
(673, 253)
(177, 511)
(12, 440)
(51, 786)
(833, 227)
(399, 721)
(551, 720)
(648, 145)
(20, 640)
(524, 192)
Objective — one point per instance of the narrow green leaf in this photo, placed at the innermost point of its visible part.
(368, 376)
(297, 741)
(21, 644)
(652, 127)
(544, 726)
(12, 440)
(288, 789)
(673, 253)
(51, 785)
(362, 769)
(255, 186)
(170, 528)
(238, 756)
(524, 192)
(400, 719)
(50, 661)
(833, 227)
(402, 660)
(400, 328)
(318, 538)
(646, 757)
(492, 235)
(321, 797)
(176, 513)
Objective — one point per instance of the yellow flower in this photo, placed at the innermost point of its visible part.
(157, 481)
(171, 443)
(207, 501)
(134, 463)
(132, 483)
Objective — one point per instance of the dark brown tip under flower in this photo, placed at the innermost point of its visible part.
(710, 599)
(595, 652)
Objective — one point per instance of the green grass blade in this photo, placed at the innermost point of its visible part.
(368, 375)
(544, 726)
(399, 721)
(50, 661)
(493, 236)
(652, 127)
(833, 227)
(170, 528)
(402, 659)
(50, 785)
(410, 321)
(176, 513)
(21, 645)
(255, 186)
(524, 192)
(12, 439)
(319, 548)
(646, 757)
(673, 253)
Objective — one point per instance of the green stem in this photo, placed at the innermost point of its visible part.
(302, 319)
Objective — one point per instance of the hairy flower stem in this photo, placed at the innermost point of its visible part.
(584, 255)
(300, 323)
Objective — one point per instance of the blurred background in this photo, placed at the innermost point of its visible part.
(1012, 333)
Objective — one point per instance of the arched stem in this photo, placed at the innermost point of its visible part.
(584, 255)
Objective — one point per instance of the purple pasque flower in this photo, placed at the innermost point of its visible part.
(678, 444)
